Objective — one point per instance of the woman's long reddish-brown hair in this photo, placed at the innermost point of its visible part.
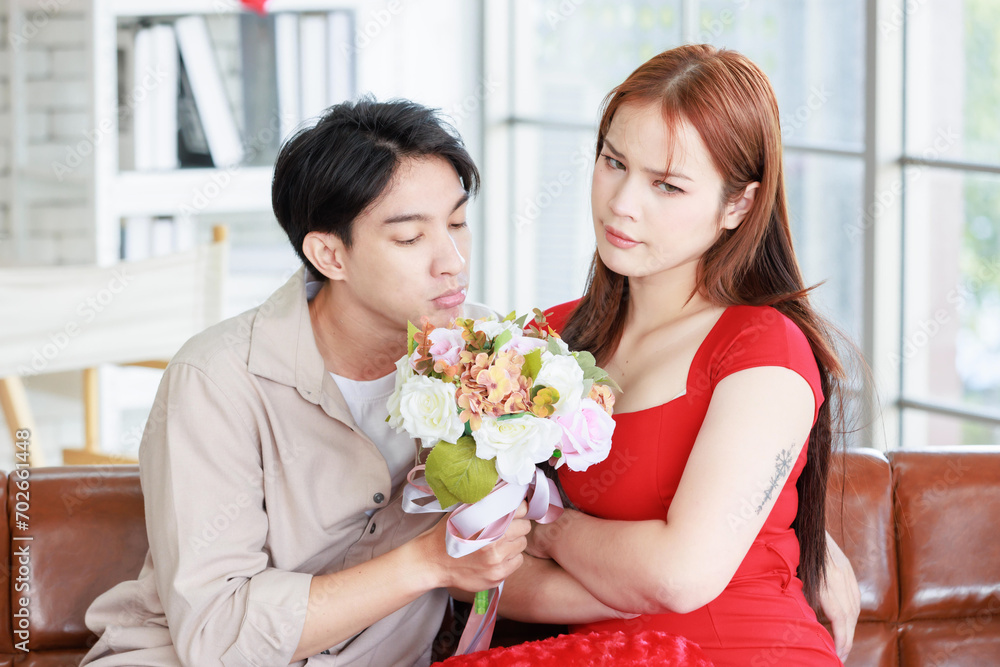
(731, 104)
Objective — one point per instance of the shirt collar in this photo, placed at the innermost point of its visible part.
(283, 348)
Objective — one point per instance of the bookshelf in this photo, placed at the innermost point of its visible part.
(98, 192)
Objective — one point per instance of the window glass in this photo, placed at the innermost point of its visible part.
(813, 53)
(953, 80)
(950, 348)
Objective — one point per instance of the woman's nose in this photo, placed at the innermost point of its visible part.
(624, 200)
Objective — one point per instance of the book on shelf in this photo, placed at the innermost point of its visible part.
(163, 95)
(192, 146)
(149, 67)
(312, 65)
(205, 77)
(286, 38)
(147, 104)
(258, 66)
(314, 70)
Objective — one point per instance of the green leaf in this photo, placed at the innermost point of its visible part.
(510, 316)
(411, 344)
(554, 347)
(511, 415)
(611, 383)
(599, 375)
(521, 321)
(532, 364)
(502, 339)
(585, 359)
(456, 475)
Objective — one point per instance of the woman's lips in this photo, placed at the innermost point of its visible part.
(619, 240)
(450, 299)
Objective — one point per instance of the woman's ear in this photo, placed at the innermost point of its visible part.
(327, 253)
(738, 210)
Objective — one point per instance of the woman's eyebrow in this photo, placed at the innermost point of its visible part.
(659, 173)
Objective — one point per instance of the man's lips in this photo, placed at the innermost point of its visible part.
(618, 239)
(450, 299)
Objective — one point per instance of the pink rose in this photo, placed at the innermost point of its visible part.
(586, 436)
(446, 345)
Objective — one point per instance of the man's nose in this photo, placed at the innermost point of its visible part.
(449, 259)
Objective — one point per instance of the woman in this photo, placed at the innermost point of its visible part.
(707, 518)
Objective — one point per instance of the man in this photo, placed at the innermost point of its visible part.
(272, 484)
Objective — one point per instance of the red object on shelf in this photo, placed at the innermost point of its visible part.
(594, 649)
(256, 5)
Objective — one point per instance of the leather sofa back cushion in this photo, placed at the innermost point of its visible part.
(949, 551)
(859, 517)
(969, 642)
(6, 640)
(85, 538)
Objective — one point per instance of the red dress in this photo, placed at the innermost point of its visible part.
(762, 617)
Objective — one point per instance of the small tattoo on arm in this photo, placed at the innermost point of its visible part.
(782, 466)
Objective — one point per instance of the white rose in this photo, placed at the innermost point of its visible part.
(428, 410)
(404, 371)
(563, 374)
(490, 326)
(518, 444)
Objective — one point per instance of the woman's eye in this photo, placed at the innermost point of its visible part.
(666, 187)
(459, 225)
(408, 241)
(613, 163)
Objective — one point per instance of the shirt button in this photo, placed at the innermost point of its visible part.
(378, 498)
(371, 530)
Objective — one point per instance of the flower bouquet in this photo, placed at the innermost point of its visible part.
(492, 399)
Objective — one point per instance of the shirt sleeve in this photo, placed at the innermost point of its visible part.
(203, 485)
(765, 337)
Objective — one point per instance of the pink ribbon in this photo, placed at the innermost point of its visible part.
(472, 527)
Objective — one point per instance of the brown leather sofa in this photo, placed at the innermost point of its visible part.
(922, 529)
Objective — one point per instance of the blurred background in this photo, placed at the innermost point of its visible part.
(129, 129)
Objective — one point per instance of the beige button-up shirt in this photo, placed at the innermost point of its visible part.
(255, 478)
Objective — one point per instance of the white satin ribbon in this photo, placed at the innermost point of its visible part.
(472, 527)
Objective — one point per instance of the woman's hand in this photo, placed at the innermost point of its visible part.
(840, 597)
(543, 535)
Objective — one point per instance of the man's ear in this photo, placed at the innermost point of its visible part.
(327, 253)
(738, 210)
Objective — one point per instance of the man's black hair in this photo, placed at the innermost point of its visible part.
(328, 174)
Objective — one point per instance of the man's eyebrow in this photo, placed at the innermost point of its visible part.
(422, 217)
(659, 173)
